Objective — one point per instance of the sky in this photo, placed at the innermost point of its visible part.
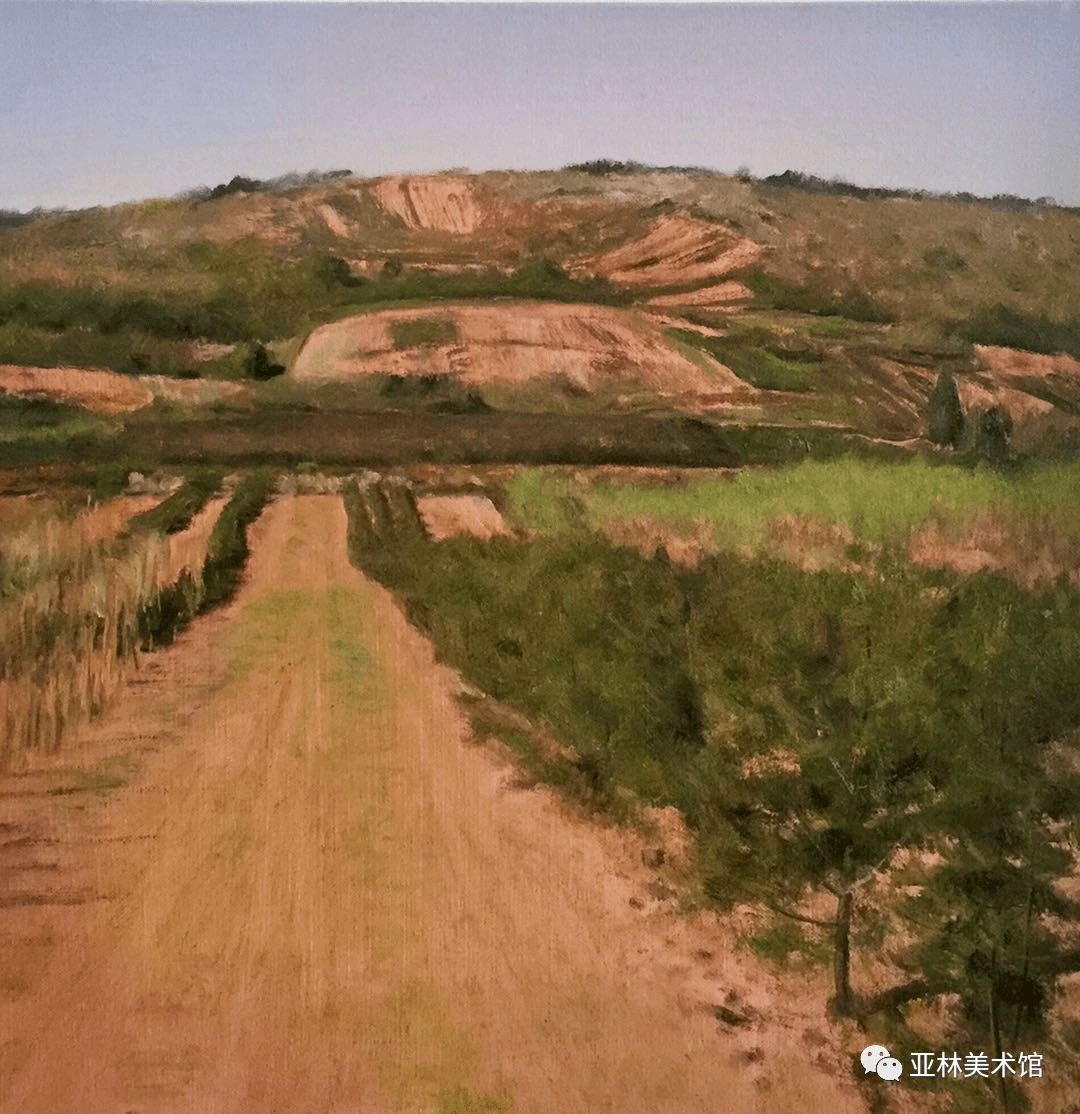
(107, 102)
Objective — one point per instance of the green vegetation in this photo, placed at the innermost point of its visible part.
(420, 332)
(818, 731)
(815, 296)
(164, 614)
(38, 426)
(175, 513)
(768, 368)
(1009, 328)
(876, 502)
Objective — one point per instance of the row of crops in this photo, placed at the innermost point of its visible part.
(75, 612)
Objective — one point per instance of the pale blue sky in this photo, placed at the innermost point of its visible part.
(104, 102)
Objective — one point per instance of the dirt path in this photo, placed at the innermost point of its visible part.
(309, 894)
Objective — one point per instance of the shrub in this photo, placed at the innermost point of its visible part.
(817, 298)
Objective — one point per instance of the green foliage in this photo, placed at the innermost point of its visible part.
(816, 297)
(944, 415)
(420, 332)
(876, 501)
(227, 551)
(40, 423)
(944, 259)
(175, 513)
(462, 1101)
(55, 308)
(586, 637)
(162, 616)
(1009, 328)
(601, 168)
(768, 367)
(811, 727)
(536, 278)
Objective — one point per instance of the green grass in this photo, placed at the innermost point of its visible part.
(877, 502)
(753, 353)
(423, 332)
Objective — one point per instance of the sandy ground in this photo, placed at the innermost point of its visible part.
(724, 295)
(437, 203)
(1011, 362)
(677, 249)
(108, 392)
(514, 342)
(311, 893)
(96, 389)
(448, 516)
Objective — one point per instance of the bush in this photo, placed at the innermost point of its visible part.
(258, 365)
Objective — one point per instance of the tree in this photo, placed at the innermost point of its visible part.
(818, 764)
(258, 365)
(992, 435)
(944, 414)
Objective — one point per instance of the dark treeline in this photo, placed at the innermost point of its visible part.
(811, 183)
(239, 183)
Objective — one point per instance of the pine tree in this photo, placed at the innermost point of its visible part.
(944, 414)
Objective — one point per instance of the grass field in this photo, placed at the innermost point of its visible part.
(875, 501)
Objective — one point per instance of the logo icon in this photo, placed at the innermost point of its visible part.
(876, 1058)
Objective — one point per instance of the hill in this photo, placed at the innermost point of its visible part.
(785, 302)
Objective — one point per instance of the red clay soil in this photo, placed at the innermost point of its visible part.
(450, 516)
(95, 388)
(723, 295)
(436, 203)
(515, 342)
(678, 249)
(277, 877)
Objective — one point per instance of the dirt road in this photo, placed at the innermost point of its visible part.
(278, 878)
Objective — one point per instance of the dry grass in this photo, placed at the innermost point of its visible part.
(70, 609)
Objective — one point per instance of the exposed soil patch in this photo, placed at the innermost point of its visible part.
(724, 295)
(447, 516)
(187, 549)
(440, 204)
(96, 389)
(1032, 558)
(193, 391)
(109, 518)
(677, 249)
(108, 392)
(514, 342)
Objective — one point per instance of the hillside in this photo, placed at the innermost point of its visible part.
(754, 303)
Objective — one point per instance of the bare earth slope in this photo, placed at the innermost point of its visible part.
(315, 897)
(513, 342)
